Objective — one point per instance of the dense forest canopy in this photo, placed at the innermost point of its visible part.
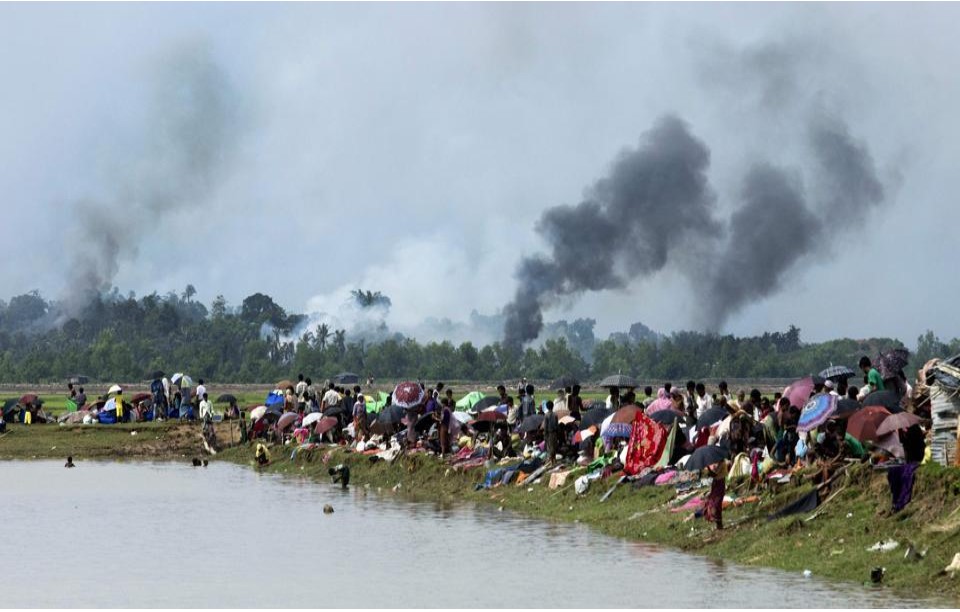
(117, 337)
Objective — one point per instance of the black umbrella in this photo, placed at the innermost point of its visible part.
(157, 375)
(619, 380)
(228, 398)
(705, 456)
(391, 415)
(837, 373)
(665, 417)
(595, 416)
(531, 423)
(9, 407)
(276, 410)
(425, 422)
(888, 399)
(845, 408)
(564, 382)
(486, 402)
(335, 410)
(711, 416)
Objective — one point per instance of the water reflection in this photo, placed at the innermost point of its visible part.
(164, 525)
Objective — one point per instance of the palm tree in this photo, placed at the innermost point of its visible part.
(340, 341)
(322, 335)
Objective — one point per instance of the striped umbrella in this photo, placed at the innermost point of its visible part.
(816, 412)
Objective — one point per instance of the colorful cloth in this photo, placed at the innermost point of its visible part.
(647, 440)
(901, 478)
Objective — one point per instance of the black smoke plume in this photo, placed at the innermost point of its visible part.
(653, 201)
(182, 155)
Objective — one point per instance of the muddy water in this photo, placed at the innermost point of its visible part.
(169, 535)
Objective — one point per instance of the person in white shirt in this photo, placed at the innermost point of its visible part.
(301, 387)
(330, 399)
(201, 391)
(704, 401)
(206, 408)
(828, 387)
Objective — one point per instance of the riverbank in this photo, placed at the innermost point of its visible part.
(832, 545)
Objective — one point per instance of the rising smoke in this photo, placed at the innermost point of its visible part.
(185, 148)
(655, 200)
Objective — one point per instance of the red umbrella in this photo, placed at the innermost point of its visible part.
(408, 395)
(584, 434)
(324, 425)
(140, 397)
(626, 414)
(29, 398)
(864, 423)
(900, 420)
(799, 392)
(490, 415)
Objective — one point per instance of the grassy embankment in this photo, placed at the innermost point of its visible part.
(832, 545)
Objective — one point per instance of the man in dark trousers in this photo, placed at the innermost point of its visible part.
(551, 430)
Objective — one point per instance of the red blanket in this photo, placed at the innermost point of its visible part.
(647, 440)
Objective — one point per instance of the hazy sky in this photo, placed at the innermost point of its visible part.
(411, 148)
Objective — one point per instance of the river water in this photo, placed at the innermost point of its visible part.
(111, 534)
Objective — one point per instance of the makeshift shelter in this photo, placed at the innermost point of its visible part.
(347, 378)
(469, 400)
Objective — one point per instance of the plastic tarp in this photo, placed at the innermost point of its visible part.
(467, 401)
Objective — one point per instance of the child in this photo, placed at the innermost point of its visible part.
(69, 463)
(262, 455)
(341, 474)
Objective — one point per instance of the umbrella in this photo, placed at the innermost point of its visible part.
(478, 425)
(799, 392)
(626, 414)
(390, 415)
(408, 395)
(338, 409)
(705, 456)
(283, 384)
(491, 415)
(490, 401)
(175, 379)
(114, 389)
(532, 423)
(29, 398)
(595, 416)
(863, 425)
(8, 408)
(846, 407)
(666, 417)
(257, 412)
(584, 434)
(816, 412)
(424, 423)
(564, 382)
(311, 418)
(619, 380)
(894, 422)
(892, 362)
(286, 420)
(227, 398)
(711, 416)
(324, 425)
(888, 399)
(566, 420)
(157, 375)
(462, 417)
(837, 373)
(140, 397)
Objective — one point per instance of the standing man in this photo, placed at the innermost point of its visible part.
(874, 380)
(159, 399)
(301, 391)
(528, 405)
(690, 399)
(551, 430)
(331, 398)
(200, 391)
(206, 408)
(704, 401)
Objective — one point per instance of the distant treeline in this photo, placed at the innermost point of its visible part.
(122, 338)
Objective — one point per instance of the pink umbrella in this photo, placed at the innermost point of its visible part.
(661, 403)
(799, 392)
(408, 395)
(286, 420)
(324, 425)
(894, 422)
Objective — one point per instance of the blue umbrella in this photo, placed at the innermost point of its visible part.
(816, 412)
